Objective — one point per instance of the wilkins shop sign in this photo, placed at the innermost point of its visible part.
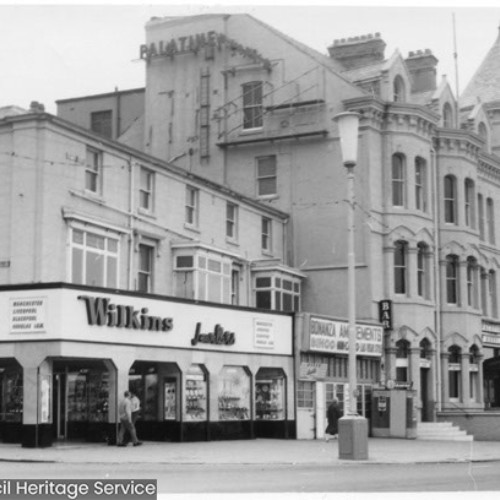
(333, 337)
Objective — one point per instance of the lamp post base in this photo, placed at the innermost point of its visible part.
(353, 438)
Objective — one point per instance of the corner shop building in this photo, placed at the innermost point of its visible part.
(67, 354)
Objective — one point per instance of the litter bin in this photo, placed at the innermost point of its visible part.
(394, 413)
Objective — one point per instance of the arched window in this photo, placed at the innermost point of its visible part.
(450, 199)
(398, 180)
(472, 281)
(423, 270)
(452, 279)
(454, 372)
(399, 89)
(420, 184)
(483, 276)
(490, 220)
(400, 265)
(447, 115)
(425, 349)
(474, 372)
(402, 358)
(480, 212)
(492, 289)
(469, 200)
(483, 133)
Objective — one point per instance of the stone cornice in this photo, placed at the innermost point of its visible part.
(457, 142)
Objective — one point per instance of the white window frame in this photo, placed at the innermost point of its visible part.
(105, 253)
(277, 290)
(420, 184)
(398, 178)
(93, 170)
(148, 273)
(146, 189)
(192, 206)
(266, 177)
(267, 235)
(232, 214)
(253, 105)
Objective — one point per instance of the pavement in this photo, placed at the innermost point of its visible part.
(257, 451)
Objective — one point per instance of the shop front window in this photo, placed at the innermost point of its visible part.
(305, 394)
(270, 394)
(234, 393)
(88, 394)
(11, 395)
(195, 398)
(143, 382)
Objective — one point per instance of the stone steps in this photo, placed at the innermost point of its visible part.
(441, 431)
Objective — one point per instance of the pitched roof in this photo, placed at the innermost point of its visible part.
(485, 84)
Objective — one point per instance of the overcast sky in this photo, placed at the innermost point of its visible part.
(51, 52)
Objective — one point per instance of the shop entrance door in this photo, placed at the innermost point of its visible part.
(59, 403)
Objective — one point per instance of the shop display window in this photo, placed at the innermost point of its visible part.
(169, 399)
(12, 396)
(195, 396)
(88, 396)
(269, 395)
(234, 393)
(145, 387)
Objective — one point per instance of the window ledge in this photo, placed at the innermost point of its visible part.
(192, 228)
(267, 253)
(267, 197)
(232, 241)
(146, 213)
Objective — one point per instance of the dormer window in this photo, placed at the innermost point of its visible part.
(447, 116)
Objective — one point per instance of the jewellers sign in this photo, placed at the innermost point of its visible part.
(27, 315)
(333, 337)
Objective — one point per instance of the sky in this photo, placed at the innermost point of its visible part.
(63, 50)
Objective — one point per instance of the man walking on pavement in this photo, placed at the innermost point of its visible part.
(126, 423)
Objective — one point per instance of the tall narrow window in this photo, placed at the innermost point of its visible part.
(490, 220)
(231, 221)
(469, 196)
(266, 176)
(480, 210)
(450, 199)
(192, 195)
(420, 184)
(93, 171)
(492, 288)
(484, 290)
(145, 269)
(402, 358)
(398, 180)
(454, 372)
(146, 189)
(472, 282)
(252, 105)
(422, 271)
(400, 256)
(235, 287)
(452, 279)
(266, 234)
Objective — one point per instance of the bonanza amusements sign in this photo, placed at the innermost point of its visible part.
(333, 337)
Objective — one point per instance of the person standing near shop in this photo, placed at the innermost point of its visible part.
(136, 407)
(333, 413)
(126, 423)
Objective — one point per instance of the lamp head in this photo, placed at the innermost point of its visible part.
(348, 124)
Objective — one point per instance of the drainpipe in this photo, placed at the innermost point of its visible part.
(437, 279)
(130, 224)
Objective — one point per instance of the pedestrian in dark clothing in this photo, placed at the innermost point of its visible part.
(333, 413)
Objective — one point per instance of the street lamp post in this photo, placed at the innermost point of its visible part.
(353, 429)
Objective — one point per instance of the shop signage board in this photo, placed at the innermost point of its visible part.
(333, 337)
(493, 340)
(316, 371)
(27, 314)
(91, 316)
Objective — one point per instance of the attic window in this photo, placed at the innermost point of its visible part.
(447, 116)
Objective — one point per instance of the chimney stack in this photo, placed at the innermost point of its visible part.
(422, 67)
(358, 51)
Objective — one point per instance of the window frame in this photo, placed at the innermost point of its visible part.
(452, 280)
(400, 267)
(279, 294)
(232, 220)
(101, 122)
(265, 178)
(253, 105)
(93, 171)
(469, 202)
(450, 199)
(266, 234)
(398, 182)
(192, 206)
(147, 273)
(420, 184)
(490, 220)
(146, 192)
